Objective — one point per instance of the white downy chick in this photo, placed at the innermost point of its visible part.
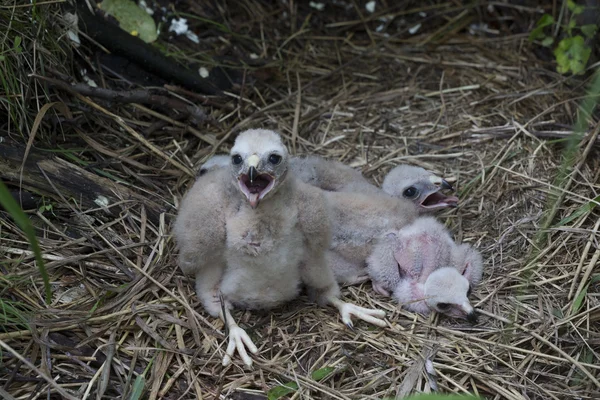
(251, 235)
(357, 220)
(420, 186)
(424, 269)
(416, 184)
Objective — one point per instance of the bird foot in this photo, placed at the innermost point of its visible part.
(378, 287)
(347, 310)
(239, 339)
(355, 280)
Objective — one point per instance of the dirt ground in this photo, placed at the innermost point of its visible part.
(450, 86)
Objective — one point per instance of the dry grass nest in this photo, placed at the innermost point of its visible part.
(465, 95)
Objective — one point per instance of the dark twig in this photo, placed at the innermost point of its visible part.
(143, 96)
(133, 48)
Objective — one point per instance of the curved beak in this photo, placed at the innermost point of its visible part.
(472, 317)
(469, 312)
(446, 185)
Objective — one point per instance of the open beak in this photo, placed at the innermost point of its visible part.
(252, 173)
(435, 199)
(253, 184)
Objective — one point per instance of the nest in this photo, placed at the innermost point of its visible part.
(456, 89)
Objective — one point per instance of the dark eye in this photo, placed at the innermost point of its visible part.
(202, 171)
(410, 192)
(236, 160)
(274, 159)
(443, 306)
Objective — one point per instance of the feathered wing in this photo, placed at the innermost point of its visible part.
(200, 233)
(469, 263)
(382, 266)
(331, 175)
(313, 221)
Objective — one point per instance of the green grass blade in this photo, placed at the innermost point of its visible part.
(12, 207)
(138, 388)
(319, 374)
(279, 391)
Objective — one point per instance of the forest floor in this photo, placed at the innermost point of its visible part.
(456, 89)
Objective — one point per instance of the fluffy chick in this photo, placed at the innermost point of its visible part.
(420, 186)
(357, 220)
(359, 211)
(416, 184)
(424, 269)
(251, 235)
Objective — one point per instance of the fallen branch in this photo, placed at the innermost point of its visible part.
(85, 188)
(143, 96)
(135, 49)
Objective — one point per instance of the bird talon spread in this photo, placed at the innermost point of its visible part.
(371, 316)
(239, 339)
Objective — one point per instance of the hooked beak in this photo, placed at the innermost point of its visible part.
(252, 173)
(472, 317)
(435, 199)
(253, 184)
(446, 185)
(469, 312)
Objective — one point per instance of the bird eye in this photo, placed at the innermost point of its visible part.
(236, 160)
(410, 192)
(274, 159)
(202, 171)
(443, 306)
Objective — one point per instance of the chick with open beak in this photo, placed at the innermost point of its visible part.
(259, 174)
(420, 186)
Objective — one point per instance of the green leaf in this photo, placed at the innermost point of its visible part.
(322, 373)
(2, 58)
(279, 391)
(547, 42)
(17, 42)
(538, 32)
(574, 8)
(589, 30)
(15, 211)
(132, 18)
(572, 55)
(138, 388)
(545, 20)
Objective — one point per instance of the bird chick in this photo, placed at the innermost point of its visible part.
(416, 184)
(424, 269)
(420, 186)
(252, 235)
(331, 175)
